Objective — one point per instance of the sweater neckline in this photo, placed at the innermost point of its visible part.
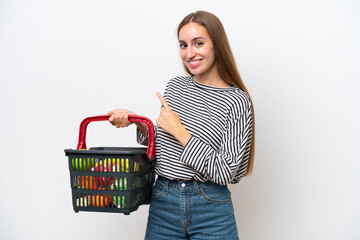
(210, 87)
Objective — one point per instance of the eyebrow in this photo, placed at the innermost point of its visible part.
(194, 39)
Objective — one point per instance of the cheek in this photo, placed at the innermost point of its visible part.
(210, 54)
(208, 51)
(182, 54)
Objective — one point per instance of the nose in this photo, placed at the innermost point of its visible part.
(190, 53)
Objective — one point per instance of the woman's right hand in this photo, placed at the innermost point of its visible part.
(119, 117)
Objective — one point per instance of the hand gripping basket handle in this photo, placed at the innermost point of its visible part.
(131, 118)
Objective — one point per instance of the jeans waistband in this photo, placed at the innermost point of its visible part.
(196, 185)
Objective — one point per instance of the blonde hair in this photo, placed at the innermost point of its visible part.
(224, 60)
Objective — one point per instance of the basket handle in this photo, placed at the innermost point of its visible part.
(131, 118)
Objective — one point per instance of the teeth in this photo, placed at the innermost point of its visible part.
(193, 62)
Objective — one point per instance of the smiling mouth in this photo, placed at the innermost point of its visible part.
(194, 63)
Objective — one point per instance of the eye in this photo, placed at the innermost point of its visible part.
(183, 45)
(198, 44)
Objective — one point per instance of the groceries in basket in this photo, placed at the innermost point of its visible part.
(107, 165)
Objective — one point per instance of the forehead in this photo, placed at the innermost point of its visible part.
(193, 30)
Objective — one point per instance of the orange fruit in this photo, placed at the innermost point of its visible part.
(85, 183)
(101, 200)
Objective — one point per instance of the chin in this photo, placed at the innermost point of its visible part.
(194, 71)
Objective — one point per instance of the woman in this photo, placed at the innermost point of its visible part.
(204, 140)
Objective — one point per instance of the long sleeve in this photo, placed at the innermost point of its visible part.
(144, 140)
(222, 165)
(140, 138)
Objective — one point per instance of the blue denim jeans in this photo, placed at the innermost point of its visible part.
(190, 210)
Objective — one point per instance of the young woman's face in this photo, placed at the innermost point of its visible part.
(197, 50)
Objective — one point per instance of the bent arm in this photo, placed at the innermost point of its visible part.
(224, 164)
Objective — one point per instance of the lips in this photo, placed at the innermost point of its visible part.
(194, 63)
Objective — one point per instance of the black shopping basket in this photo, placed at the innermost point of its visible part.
(111, 179)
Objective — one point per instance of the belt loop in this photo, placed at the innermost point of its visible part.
(166, 185)
(196, 186)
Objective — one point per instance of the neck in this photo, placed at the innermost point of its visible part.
(211, 78)
(212, 81)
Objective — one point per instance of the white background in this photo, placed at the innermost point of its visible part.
(62, 61)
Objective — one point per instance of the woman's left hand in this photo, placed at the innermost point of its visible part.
(170, 122)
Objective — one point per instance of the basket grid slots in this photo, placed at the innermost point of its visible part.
(110, 183)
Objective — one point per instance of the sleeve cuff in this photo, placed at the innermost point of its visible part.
(195, 154)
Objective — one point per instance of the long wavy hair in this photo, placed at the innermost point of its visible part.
(224, 60)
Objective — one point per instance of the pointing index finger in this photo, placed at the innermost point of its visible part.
(162, 100)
